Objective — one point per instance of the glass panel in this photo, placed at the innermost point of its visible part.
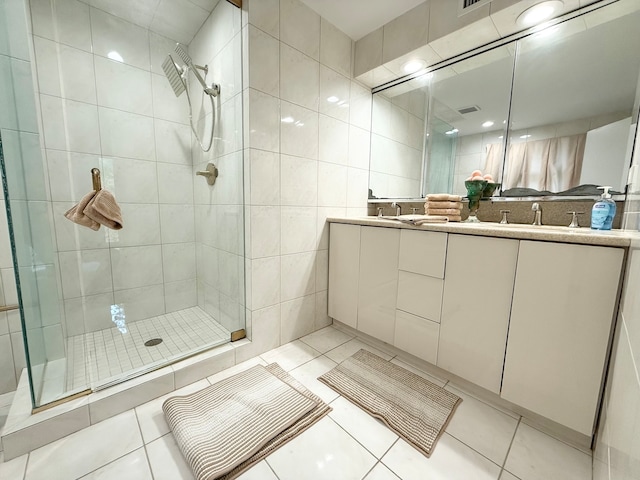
(573, 104)
(92, 298)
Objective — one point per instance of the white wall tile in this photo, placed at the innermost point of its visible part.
(142, 302)
(141, 225)
(7, 375)
(332, 185)
(322, 227)
(13, 44)
(407, 32)
(64, 21)
(179, 261)
(264, 62)
(298, 318)
(359, 147)
(177, 19)
(229, 233)
(85, 272)
(180, 295)
(299, 181)
(159, 48)
(265, 14)
(298, 275)
(298, 229)
(173, 142)
(333, 140)
(265, 177)
(360, 106)
(299, 131)
(88, 314)
(299, 82)
(17, 95)
(175, 183)
(136, 266)
(265, 231)
(264, 121)
(334, 94)
(357, 187)
(265, 282)
(125, 134)
(112, 35)
(177, 223)
(123, 87)
(300, 27)
(65, 71)
(131, 181)
(70, 125)
(69, 174)
(335, 48)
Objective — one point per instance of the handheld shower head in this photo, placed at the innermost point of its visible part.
(174, 75)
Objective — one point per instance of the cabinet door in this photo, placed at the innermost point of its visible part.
(344, 271)
(378, 282)
(478, 284)
(417, 336)
(563, 305)
(423, 252)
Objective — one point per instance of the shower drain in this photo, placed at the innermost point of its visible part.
(153, 342)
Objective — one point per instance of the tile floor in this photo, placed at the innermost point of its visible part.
(481, 442)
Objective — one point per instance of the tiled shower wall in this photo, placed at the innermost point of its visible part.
(122, 117)
(307, 137)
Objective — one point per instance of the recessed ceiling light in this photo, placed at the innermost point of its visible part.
(287, 120)
(413, 66)
(501, 136)
(539, 13)
(487, 124)
(451, 132)
(525, 136)
(332, 99)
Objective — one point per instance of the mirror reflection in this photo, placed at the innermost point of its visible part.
(549, 113)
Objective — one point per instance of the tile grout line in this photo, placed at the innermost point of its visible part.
(144, 444)
(510, 446)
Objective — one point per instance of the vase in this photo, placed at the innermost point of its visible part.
(474, 193)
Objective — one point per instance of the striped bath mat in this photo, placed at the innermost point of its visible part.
(226, 428)
(414, 408)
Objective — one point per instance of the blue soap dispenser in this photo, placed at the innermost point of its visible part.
(603, 211)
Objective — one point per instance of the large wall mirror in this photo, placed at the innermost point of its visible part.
(554, 112)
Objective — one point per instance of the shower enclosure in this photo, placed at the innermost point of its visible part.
(83, 88)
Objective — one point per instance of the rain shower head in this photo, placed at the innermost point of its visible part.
(174, 75)
(212, 90)
(182, 53)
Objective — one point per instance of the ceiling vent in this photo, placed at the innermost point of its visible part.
(465, 110)
(465, 6)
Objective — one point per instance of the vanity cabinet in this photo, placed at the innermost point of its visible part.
(344, 273)
(475, 313)
(528, 320)
(564, 300)
(378, 282)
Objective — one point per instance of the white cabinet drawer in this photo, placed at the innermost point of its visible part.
(420, 295)
(423, 252)
(417, 336)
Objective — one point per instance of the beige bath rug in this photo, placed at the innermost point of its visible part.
(226, 428)
(414, 408)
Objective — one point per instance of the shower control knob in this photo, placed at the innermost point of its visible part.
(211, 173)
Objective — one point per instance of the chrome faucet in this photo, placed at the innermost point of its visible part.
(397, 207)
(537, 219)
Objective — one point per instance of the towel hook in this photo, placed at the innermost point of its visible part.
(95, 177)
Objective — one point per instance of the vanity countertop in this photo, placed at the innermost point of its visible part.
(549, 233)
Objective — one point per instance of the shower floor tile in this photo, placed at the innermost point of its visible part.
(97, 358)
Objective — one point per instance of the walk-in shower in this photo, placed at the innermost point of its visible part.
(99, 307)
(178, 77)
